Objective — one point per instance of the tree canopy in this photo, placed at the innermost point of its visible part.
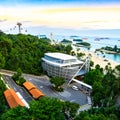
(44, 109)
(25, 52)
(57, 81)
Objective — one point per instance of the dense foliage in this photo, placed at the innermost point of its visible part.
(84, 43)
(44, 109)
(66, 41)
(115, 48)
(3, 104)
(17, 77)
(57, 81)
(103, 113)
(80, 55)
(25, 52)
(106, 89)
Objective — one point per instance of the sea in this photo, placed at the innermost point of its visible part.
(96, 43)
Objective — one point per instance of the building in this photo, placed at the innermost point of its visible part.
(33, 90)
(62, 65)
(12, 98)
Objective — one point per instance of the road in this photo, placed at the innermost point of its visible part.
(69, 94)
(17, 88)
(43, 84)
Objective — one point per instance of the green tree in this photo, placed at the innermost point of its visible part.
(70, 109)
(2, 61)
(115, 48)
(44, 109)
(3, 104)
(68, 49)
(17, 77)
(94, 75)
(91, 63)
(79, 55)
(72, 53)
(17, 113)
(57, 81)
(117, 68)
(47, 109)
(97, 93)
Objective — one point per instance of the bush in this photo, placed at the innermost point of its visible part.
(59, 89)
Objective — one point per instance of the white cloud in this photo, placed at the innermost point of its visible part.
(77, 18)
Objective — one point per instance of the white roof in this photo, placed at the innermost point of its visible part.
(82, 83)
(60, 56)
(61, 64)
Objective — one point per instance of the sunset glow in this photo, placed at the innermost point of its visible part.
(76, 17)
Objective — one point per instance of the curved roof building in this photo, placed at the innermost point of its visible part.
(12, 98)
(61, 65)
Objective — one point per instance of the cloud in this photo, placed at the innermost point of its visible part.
(3, 20)
(26, 21)
(67, 17)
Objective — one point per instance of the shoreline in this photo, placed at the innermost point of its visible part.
(107, 51)
(100, 60)
(97, 59)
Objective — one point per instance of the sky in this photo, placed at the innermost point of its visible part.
(64, 14)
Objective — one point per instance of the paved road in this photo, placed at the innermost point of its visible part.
(43, 84)
(69, 94)
(17, 88)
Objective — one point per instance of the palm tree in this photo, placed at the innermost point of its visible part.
(117, 68)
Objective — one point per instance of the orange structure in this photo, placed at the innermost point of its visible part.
(28, 85)
(12, 98)
(36, 93)
(33, 90)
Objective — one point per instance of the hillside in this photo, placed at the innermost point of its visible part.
(25, 52)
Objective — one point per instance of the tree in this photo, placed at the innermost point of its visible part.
(47, 109)
(91, 63)
(70, 109)
(3, 103)
(97, 93)
(2, 61)
(17, 113)
(68, 49)
(94, 75)
(102, 113)
(115, 48)
(44, 109)
(17, 77)
(72, 53)
(79, 55)
(117, 68)
(57, 81)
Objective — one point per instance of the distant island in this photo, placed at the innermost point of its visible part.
(110, 50)
(84, 44)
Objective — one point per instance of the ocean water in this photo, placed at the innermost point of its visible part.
(96, 44)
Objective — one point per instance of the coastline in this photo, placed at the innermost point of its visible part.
(97, 59)
(107, 51)
(101, 61)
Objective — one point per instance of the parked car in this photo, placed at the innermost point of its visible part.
(75, 87)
